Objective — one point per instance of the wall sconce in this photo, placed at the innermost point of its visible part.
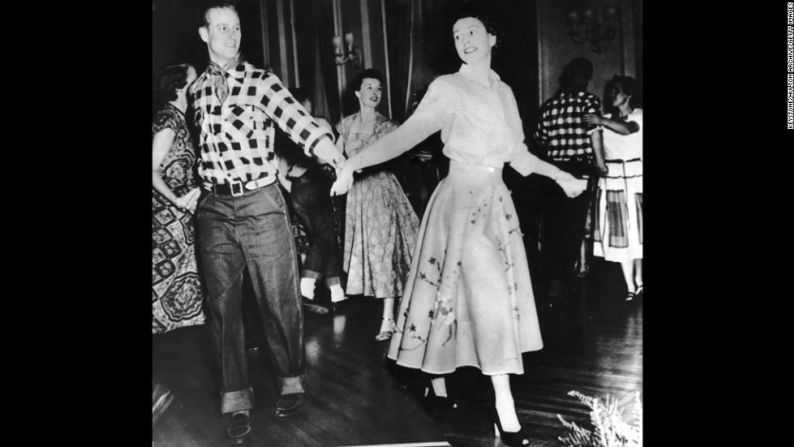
(598, 31)
(348, 52)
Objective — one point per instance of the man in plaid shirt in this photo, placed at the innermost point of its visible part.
(574, 146)
(242, 218)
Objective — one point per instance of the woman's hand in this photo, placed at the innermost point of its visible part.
(188, 201)
(571, 185)
(592, 118)
(344, 181)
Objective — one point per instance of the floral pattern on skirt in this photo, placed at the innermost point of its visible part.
(380, 232)
(468, 298)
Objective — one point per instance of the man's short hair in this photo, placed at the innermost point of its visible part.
(217, 5)
(577, 74)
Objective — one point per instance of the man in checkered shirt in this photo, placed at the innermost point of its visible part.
(242, 218)
(566, 141)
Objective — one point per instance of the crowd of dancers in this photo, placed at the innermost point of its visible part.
(459, 279)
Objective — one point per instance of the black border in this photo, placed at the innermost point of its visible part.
(715, 174)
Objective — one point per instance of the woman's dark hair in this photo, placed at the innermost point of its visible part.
(171, 78)
(369, 73)
(481, 13)
(628, 86)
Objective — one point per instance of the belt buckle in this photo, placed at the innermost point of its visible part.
(239, 188)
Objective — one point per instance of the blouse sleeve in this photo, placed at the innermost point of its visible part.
(430, 116)
(433, 112)
(520, 158)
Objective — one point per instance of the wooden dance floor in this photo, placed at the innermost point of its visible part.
(356, 397)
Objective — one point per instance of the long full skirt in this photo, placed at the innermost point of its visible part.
(380, 232)
(618, 222)
(468, 299)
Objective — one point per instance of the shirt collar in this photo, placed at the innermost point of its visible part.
(493, 77)
(235, 70)
(238, 71)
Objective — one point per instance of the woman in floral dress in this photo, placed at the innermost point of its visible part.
(176, 290)
(468, 299)
(380, 223)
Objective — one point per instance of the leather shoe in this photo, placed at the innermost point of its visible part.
(239, 428)
(289, 404)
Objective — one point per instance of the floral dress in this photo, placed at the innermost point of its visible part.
(468, 298)
(380, 223)
(176, 290)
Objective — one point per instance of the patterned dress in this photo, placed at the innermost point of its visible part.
(618, 222)
(468, 299)
(380, 223)
(176, 290)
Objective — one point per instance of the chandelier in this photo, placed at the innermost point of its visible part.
(596, 26)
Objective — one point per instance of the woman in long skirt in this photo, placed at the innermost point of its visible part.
(468, 300)
(618, 222)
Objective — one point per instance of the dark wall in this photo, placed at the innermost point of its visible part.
(514, 59)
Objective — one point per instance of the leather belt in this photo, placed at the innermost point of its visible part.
(236, 189)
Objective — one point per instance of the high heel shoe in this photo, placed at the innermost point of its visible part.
(438, 406)
(510, 439)
(386, 330)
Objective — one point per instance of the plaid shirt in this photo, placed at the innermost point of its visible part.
(561, 129)
(236, 138)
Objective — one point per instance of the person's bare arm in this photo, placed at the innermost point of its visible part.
(161, 144)
(621, 127)
(597, 140)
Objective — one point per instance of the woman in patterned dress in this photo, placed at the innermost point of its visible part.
(176, 290)
(618, 221)
(380, 223)
(468, 299)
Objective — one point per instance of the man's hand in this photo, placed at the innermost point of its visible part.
(188, 201)
(343, 183)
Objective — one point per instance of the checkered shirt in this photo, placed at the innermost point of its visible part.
(561, 130)
(236, 137)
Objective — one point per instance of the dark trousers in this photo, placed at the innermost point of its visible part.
(563, 231)
(528, 193)
(253, 232)
(311, 200)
